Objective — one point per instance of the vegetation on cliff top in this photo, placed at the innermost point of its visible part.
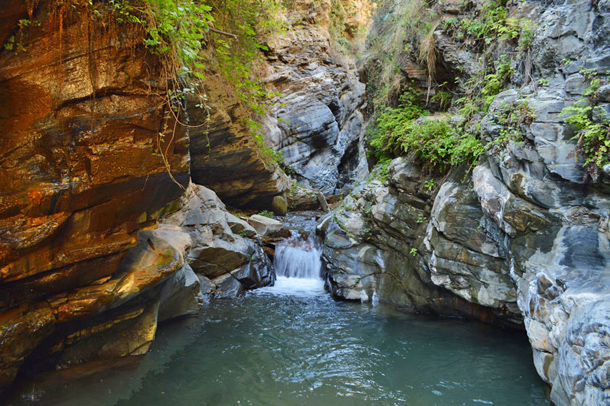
(415, 116)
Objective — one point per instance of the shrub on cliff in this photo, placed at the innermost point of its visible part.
(435, 142)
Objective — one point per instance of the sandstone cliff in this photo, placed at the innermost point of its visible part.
(102, 233)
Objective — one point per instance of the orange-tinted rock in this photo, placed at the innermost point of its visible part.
(21, 330)
(11, 11)
(80, 119)
(81, 111)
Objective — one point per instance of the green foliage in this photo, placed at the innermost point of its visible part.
(480, 91)
(429, 185)
(593, 128)
(527, 35)
(443, 99)
(380, 171)
(237, 57)
(266, 213)
(496, 82)
(416, 130)
(182, 33)
(399, 28)
(511, 116)
(490, 24)
(435, 143)
(13, 43)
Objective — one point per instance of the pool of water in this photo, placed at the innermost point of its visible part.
(292, 344)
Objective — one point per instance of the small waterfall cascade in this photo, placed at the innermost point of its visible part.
(298, 262)
(298, 257)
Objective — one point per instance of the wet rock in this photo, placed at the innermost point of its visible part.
(82, 176)
(21, 331)
(374, 245)
(181, 295)
(129, 335)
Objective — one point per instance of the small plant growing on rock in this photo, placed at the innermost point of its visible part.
(429, 185)
(593, 128)
(512, 116)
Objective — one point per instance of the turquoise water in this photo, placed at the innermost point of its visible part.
(294, 345)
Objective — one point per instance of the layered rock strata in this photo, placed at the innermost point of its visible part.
(89, 169)
(82, 174)
(524, 237)
(317, 122)
(224, 155)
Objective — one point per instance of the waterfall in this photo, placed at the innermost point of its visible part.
(297, 264)
(298, 257)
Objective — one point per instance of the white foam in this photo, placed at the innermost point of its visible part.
(285, 286)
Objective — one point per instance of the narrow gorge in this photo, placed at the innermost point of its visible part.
(354, 202)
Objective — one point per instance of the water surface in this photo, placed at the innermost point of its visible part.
(293, 345)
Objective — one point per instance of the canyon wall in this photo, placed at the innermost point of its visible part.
(317, 122)
(105, 227)
(91, 161)
(520, 239)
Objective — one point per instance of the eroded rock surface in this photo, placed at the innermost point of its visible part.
(82, 174)
(525, 238)
(224, 154)
(381, 241)
(224, 251)
(320, 123)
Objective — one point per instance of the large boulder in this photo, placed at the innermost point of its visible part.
(222, 252)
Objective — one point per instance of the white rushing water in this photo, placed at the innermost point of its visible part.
(297, 264)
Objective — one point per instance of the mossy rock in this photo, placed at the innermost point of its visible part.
(279, 206)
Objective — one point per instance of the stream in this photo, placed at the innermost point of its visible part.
(292, 344)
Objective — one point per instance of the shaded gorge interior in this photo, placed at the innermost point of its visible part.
(304, 202)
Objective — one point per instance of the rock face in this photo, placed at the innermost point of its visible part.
(554, 219)
(316, 124)
(381, 241)
(223, 250)
(320, 123)
(84, 274)
(525, 239)
(82, 174)
(224, 154)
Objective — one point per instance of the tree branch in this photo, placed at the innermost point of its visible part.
(228, 34)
